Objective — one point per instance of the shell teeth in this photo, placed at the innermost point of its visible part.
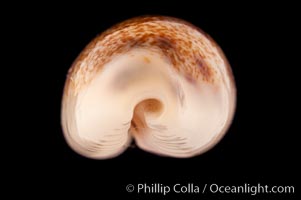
(157, 80)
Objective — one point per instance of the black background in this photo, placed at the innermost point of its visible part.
(260, 147)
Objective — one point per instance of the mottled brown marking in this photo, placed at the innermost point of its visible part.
(164, 43)
(172, 38)
(204, 69)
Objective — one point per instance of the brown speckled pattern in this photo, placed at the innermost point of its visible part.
(186, 47)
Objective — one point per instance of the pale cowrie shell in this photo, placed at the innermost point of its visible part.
(157, 80)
